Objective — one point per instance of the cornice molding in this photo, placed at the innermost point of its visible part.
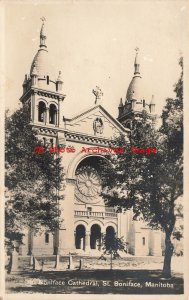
(45, 130)
(75, 137)
(43, 93)
(97, 141)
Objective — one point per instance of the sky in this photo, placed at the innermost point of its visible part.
(93, 44)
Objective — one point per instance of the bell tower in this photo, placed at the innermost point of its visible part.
(134, 102)
(43, 93)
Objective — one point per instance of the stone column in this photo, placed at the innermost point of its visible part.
(56, 117)
(31, 108)
(101, 240)
(81, 244)
(75, 238)
(36, 110)
(87, 241)
(47, 115)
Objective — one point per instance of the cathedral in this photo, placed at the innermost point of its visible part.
(86, 218)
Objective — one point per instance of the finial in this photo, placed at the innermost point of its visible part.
(59, 76)
(152, 100)
(42, 34)
(98, 94)
(121, 103)
(152, 105)
(136, 63)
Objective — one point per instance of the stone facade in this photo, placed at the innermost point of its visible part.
(86, 218)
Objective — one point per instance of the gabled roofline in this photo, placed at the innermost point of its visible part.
(105, 111)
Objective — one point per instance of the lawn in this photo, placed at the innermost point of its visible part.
(94, 282)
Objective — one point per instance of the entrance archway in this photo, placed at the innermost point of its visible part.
(110, 234)
(95, 240)
(80, 237)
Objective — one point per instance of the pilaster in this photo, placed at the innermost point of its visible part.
(66, 233)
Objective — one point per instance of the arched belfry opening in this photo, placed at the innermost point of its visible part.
(52, 114)
(41, 111)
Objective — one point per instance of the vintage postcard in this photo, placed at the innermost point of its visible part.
(94, 99)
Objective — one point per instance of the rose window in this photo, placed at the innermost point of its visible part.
(88, 182)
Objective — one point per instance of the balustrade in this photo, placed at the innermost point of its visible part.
(98, 214)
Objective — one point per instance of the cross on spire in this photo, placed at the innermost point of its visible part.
(43, 19)
(137, 49)
(98, 93)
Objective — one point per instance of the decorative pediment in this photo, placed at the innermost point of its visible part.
(96, 122)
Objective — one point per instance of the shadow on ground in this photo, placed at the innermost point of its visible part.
(94, 282)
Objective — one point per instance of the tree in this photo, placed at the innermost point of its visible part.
(150, 184)
(111, 245)
(172, 128)
(33, 180)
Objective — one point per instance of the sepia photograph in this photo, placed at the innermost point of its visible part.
(93, 113)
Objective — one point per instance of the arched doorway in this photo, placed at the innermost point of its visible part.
(110, 235)
(95, 239)
(80, 237)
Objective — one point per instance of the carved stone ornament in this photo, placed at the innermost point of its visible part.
(98, 126)
(88, 185)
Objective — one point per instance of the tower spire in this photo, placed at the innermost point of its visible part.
(136, 63)
(42, 34)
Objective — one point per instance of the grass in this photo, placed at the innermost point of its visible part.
(66, 282)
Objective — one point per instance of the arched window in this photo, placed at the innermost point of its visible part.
(44, 141)
(128, 125)
(41, 111)
(143, 241)
(46, 238)
(52, 114)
